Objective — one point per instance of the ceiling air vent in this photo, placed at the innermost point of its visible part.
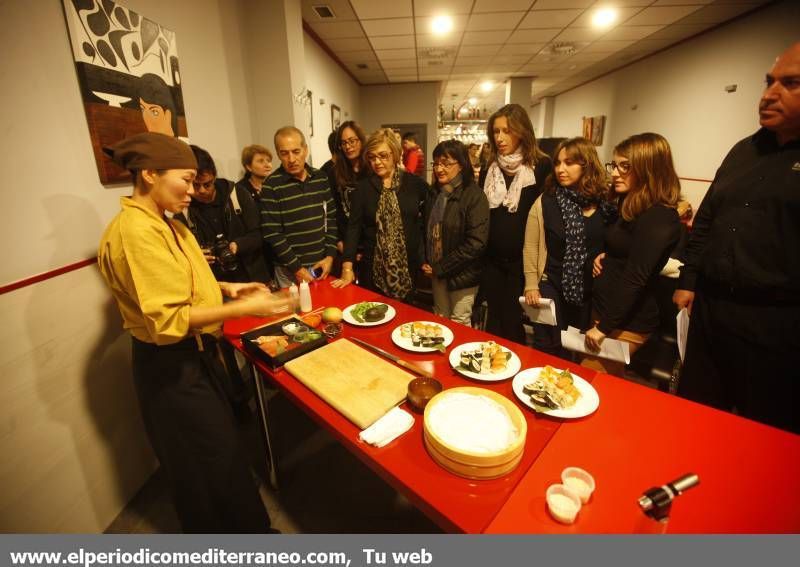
(324, 11)
(562, 49)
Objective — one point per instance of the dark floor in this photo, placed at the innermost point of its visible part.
(346, 497)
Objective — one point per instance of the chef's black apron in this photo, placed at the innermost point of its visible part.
(193, 433)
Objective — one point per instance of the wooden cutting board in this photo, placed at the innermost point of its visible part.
(359, 384)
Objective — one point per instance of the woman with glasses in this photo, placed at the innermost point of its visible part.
(385, 221)
(456, 222)
(348, 169)
(637, 246)
(565, 232)
(512, 182)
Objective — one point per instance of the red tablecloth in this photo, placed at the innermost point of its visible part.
(456, 504)
(640, 438)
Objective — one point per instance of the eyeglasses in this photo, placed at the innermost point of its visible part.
(442, 163)
(383, 156)
(350, 142)
(623, 167)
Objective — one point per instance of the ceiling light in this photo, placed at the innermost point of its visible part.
(604, 17)
(486, 86)
(473, 101)
(442, 25)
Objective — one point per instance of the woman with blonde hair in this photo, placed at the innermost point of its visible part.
(257, 164)
(637, 246)
(385, 222)
(512, 181)
(565, 232)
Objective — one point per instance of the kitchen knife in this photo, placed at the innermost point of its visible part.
(400, 362)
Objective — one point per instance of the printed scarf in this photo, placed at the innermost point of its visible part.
(390, 270)
(495, 185)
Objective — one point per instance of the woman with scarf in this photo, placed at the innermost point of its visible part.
(385, 222)
(512, 182)
(565, 232)
(637, 246)
(456, 222)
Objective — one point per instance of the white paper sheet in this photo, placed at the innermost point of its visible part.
(683, 329)
(544, 312)
(573, 339)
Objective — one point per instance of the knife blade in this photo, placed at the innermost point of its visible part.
(399, 361)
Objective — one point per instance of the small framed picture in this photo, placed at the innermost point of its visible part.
(336, 117)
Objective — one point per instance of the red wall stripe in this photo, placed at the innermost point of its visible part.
(47, 275)
(696, 179)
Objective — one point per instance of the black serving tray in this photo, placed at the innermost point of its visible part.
(276, 329)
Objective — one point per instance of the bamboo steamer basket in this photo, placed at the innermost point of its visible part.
(473, 465)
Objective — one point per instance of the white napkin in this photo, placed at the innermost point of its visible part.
(672, 269)
(388, 428)
(544, 312)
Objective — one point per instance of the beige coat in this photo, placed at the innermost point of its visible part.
(534, 252)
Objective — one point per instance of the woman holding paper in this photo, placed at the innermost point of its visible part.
(636, 247)
(565, 231)
(512, 181)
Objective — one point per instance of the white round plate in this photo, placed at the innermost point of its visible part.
(514, 364)
(390, 313)
(405, 342)
(586, 404)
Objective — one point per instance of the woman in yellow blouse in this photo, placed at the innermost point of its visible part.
(172, 306)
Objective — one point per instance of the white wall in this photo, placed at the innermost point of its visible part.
(72, 443)
(680, 94)
(327, 81)
(407, 103)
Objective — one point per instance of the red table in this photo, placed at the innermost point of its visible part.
(640, 438)
(455, 503)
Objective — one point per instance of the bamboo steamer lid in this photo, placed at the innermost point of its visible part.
(472, 464)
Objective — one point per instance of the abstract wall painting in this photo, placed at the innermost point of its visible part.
(129, 76)
(593, 129)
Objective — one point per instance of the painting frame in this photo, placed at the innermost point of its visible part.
(336, 117)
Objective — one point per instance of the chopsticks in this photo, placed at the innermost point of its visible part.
(289, 316)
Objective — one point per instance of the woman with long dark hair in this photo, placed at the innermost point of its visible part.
(456, 223)
(637, 245)
(565, 232)
(512, 181)
(348, 169)
(385, 222)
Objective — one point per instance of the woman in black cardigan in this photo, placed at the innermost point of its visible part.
(385, 222)
(636, 248)
(512, 182)
(456, 222)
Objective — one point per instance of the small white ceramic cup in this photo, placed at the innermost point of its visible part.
(563, 503)
(579, 481)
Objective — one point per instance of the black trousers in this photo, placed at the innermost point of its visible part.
(501, 286)
(743, 356)
(192, 430)
(547, 338)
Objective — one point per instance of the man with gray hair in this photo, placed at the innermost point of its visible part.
(741, 280)
(298, 213)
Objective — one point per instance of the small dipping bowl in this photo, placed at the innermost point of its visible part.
(332, 330)
(579, 481)
(291, 328)
(562, 503)
(420, 392)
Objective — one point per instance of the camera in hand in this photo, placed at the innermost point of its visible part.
(226, 259)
